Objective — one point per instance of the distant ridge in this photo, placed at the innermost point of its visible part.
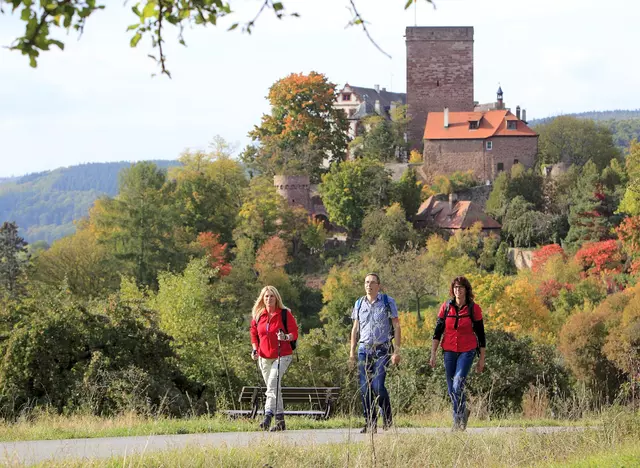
(623, 124)
(45, 204)
(618, 114)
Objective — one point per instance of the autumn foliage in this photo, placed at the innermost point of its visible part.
(543, 254)
(604, 257)
(216, 252)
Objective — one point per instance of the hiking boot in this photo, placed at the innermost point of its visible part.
(280, 425)
(386, 425)
(266, 422)
(369, 429)
(465, 419)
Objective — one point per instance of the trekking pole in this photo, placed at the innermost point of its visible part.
(278, 377)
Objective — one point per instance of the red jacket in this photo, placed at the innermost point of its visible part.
(463, 338)
(267, 341)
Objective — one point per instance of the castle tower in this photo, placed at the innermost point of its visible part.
(295, 189)
(439, 74)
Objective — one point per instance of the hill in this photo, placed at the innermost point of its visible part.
(45, 204)
(624, 124)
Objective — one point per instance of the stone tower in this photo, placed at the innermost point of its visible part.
(439, 74)
(295, 189)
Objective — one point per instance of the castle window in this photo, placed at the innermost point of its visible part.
(346, 96)
(473, 125)
(500, 167)
(512, 125)
(489, 145)
(515, 161)
(351, 112)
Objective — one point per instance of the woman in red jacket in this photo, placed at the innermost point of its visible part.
(271, 343)
(463, 333)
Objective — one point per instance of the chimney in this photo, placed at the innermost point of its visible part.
(446, 117)
(524, 115)
(384, 89)
(377, 107)
(453, 198)
(518, 112)
(377, 88)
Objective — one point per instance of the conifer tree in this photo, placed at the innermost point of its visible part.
(589, 216)
(13, 258)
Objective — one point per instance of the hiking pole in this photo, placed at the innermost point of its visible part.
(278, 376)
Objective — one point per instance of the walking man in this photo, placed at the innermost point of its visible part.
(375, 337)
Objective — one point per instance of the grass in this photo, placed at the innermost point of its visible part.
(611, 445)
(46, 426)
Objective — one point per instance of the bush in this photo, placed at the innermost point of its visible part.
(68, 357)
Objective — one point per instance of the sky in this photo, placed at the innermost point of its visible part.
(98, 100)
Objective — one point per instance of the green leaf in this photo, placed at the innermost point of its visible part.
(132, 27)
(32, 62)
(57, 43)
(278, 6)
(149, 10)
(408, 4)
(232, 27)
(135, 39)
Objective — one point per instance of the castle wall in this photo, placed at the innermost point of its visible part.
(448, 156)
(295, 189)
(439, 74)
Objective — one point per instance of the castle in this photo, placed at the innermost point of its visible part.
(454, 132)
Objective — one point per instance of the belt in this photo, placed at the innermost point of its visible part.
(386, 344)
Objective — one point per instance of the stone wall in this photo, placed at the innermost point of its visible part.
(439, 74)
(295, 189)
(448, 156)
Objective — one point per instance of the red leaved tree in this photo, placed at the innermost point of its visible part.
(216, 252)
(543, 254)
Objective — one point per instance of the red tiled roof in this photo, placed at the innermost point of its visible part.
(492, 123)
(462, 215)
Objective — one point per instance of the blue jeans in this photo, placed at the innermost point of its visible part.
(457, 367)
(372, 367)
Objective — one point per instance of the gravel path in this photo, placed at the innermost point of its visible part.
(31, 452)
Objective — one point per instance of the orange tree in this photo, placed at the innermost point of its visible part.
(302, 129)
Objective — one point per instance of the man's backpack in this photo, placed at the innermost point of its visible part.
(387, 308)
(293, 343)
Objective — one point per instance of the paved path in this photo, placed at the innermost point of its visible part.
(31, 452)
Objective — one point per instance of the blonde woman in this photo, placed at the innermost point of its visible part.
(271, 342)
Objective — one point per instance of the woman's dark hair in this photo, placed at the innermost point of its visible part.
(462, 281)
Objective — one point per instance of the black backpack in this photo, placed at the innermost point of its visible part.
(293, 343)
(471, 307)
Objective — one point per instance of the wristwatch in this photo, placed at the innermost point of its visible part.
(254, 352)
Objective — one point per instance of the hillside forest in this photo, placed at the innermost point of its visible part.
(145, 307)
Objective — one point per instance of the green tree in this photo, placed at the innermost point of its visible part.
(209, 187)
(407, 191)
(411, 275)
(503, 263)
(591, 210)
(376, 140)
(137, 225)
(575, 141)
(388, 226)
(353, 188)
(303, 128)
(262, 209)
(80, 262)
(13, 259)
(630, 203)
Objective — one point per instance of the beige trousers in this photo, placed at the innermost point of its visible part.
(269, 368)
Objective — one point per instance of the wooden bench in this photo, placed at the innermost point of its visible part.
(320, 400)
